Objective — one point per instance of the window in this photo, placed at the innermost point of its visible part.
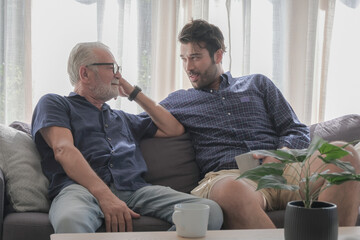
(342, 95)
(284, 40)
(57, 26)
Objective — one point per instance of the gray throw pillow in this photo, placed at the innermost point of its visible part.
(26, 186)
(171, 162)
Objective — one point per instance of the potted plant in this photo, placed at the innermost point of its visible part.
(299, 222)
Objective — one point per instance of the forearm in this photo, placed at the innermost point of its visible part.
(78, 169)
(167, 123)
(116, 213)
(296, 136)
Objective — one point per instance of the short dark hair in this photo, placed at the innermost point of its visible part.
(200, 31)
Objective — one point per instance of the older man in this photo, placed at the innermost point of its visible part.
(91, 154)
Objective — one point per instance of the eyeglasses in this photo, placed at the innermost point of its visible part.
(116, 68)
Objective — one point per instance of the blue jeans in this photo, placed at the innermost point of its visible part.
(76, 210)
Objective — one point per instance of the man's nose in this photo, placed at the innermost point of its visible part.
(189, 65)
(118, 75)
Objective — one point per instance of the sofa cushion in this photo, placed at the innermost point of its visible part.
(26, 186)
(171, 162)
(345, 128)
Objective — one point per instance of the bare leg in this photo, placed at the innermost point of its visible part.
(347, 195)
(243, 207)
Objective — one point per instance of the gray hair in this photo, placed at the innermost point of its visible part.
(81, 55)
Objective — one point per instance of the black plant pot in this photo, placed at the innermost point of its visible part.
(315, 223)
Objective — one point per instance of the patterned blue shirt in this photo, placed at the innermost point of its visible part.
(108, 139)
(246, 113)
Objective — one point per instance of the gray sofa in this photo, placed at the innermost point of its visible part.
(170, 162)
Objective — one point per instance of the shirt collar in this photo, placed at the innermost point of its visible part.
(223, 84)
(225, 81)
(75, 95)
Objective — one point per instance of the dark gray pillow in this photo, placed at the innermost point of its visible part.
(344, 128)
(21, 126)
(171, 162)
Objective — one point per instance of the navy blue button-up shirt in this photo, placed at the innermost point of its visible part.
(108, 139)
(246, 113)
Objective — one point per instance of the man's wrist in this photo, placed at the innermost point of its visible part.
(134, 93)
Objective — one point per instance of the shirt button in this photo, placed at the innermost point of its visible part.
(112, 152)
(106, 125)
(109, 139)
(111, 165)
(223, 98)
(229, 114)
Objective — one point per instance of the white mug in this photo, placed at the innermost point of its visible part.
(246, 162)
(191, 219)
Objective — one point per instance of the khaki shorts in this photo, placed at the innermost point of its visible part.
(274, 198)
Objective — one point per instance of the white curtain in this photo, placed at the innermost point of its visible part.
(15, 64)
(291, 53)
(289, 41)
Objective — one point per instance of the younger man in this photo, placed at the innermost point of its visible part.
(228, 116)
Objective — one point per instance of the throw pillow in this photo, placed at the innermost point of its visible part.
(21, 126)
(26, 186)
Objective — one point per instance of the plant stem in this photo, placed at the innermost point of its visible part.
(308, 200)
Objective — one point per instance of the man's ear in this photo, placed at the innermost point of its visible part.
(83, 73)
(218, 56)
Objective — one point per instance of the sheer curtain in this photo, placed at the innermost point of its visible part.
(298, 44)
(15, 64)
(289, 42)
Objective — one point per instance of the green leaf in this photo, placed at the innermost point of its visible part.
(276, 182)
(315, 144)
(257, 173)
(332, 152)
(270, 175)
(340, 177)
(346, 166)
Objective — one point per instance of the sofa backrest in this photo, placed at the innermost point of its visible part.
(171, 162)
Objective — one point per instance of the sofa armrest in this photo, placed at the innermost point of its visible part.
(345, 128)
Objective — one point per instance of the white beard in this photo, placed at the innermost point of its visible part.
(105, 92)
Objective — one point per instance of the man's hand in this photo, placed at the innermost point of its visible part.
(167, 124)
(118, 217)
(266, 159)
(125, 88)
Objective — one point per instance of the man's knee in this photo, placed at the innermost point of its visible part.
(353, 157)
(215, 216)
(70, 223)
(225, 191)
(75, 210)
(75, 221)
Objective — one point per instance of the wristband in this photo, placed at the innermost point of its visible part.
(134, 93)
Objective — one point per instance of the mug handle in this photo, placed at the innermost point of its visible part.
(176, 217)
